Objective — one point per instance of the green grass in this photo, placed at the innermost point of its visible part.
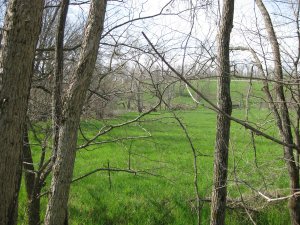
(208, 87)
(163, 193)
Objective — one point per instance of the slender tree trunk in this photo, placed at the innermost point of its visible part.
(139, 96)
(296, 62)
(28, 164)
(34, 209)
(64, 164)
(31, 183)
(57, 105)
(219, 194)
(34, 204)
(20, 36)
(285, 131)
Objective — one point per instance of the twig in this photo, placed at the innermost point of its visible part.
(107, 129)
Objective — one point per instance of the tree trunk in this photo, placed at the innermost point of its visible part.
(139, 96)
(285, 123)
(64, 164)
(33, 202)
(20, 36)
(33, 183)
(34, 209)
(219, 193)
(57, 105)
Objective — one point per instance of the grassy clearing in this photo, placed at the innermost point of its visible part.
(166, 196)
(164, 193)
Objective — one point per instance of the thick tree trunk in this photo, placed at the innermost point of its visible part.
(64, 164)
(20, 35)
(285, 123)
(219, 194)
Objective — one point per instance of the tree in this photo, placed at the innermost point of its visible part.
(66, 151)
(20, 36)
(283, 116)
(35, 176)
(218, 202)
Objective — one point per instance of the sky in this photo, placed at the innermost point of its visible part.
(197, 28)
(192, 31)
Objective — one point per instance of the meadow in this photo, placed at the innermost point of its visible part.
(162, 189)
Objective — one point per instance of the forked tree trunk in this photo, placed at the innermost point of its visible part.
(219, 194)
(20, 36)
(34, 180)
(64, 164)
(285, 123)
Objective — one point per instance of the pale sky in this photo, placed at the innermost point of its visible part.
(170, 32)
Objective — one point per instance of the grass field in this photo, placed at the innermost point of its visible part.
(162, 192)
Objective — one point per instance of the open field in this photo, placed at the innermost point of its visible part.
(162, 190)
(241, 93)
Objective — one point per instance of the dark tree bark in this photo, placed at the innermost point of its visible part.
(219, 194)
(20, 36)
(32, 183)
(64, 164)
(284, 123)
(57, 105)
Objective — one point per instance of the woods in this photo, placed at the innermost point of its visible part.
(141, 112)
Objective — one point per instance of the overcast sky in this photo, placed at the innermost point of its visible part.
(194, 26)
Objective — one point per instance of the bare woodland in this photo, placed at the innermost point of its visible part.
(67, 63)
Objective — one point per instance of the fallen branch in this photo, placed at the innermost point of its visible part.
(104, 169)
(296, 194)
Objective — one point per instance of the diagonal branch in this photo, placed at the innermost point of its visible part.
(214, 106)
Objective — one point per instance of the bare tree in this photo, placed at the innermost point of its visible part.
(35, 176)
(284, 122)
(34, 173)
(20, 36)
(64, 164)
(219, 195)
